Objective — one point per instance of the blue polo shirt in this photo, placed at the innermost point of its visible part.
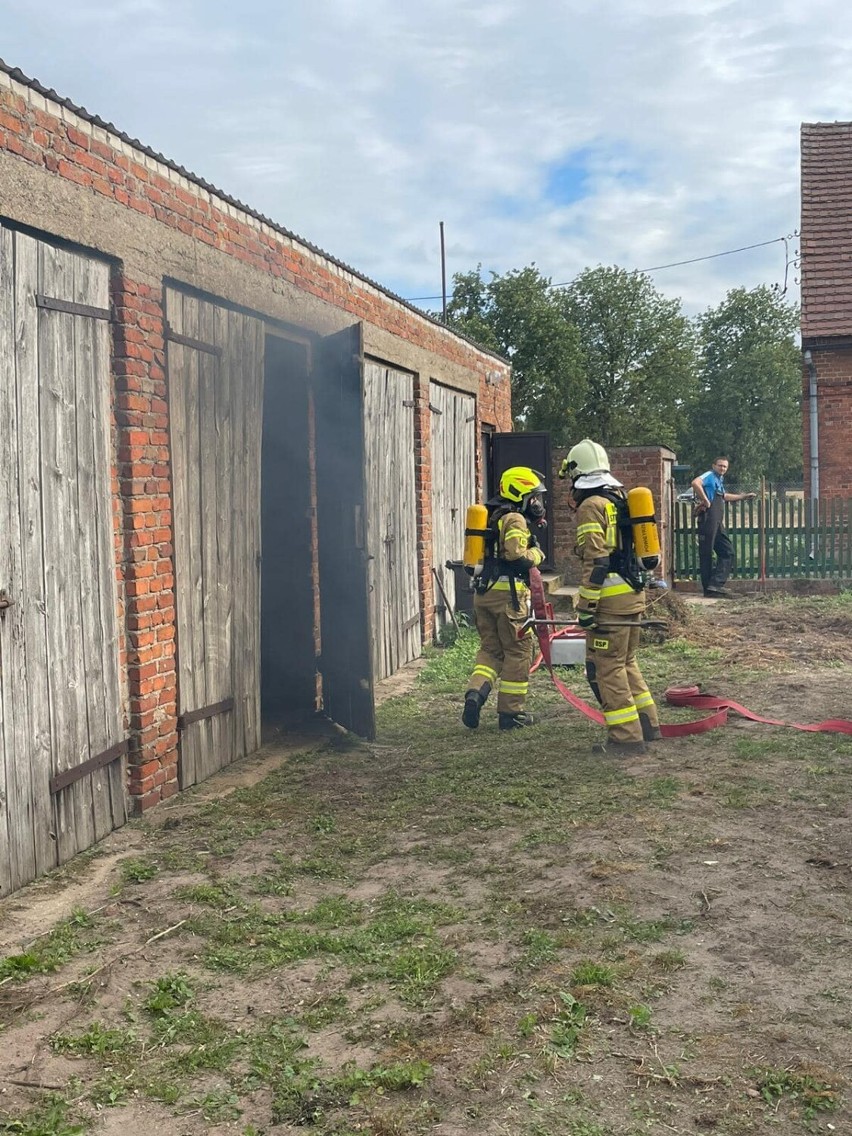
(713, 484)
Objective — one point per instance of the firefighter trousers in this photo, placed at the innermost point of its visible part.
(613, 674)
(502, 655)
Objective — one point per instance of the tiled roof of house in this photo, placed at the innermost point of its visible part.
(826, 229)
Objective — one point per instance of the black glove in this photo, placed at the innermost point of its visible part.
(586, 620)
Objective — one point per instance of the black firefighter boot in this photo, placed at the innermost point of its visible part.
(649, 733)
(474, 700)
(515, 721)
(619, 749)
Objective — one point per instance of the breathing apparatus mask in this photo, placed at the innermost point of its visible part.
(534, 510)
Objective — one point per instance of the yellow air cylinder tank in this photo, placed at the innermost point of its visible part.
(475, 529)
(646, 539)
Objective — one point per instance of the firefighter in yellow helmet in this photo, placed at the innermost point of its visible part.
(502, 600)
(611, 601)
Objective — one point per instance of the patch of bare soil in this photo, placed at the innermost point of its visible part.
(401, 682)
(461, 933)
(765, 630)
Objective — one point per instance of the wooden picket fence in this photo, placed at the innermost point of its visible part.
(774, 537)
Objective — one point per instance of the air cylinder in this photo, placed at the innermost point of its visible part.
(646, 539)
(475, 531)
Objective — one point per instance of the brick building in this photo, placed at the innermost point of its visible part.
(826, 274)
(185, 385)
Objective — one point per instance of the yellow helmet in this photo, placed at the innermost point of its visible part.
(519, 482)
(585, 458)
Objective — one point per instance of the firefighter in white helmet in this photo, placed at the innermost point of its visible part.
(502, 601)
(611, 601)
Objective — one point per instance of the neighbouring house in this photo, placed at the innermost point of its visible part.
(826, 276)
(231, 470)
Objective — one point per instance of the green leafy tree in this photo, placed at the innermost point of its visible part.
(748, 404)
(639, 358)
(519, 315)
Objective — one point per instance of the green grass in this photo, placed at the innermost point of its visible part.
(398, 942)
(590, 973)
(79, 932)
(137, 870)
(183, 1044)
(496, 923)
(566, 1025)
(803, 1088)
(97, 1040)
(169, 992)
(51, 1116)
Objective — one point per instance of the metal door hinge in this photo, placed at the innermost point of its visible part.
(68, 307)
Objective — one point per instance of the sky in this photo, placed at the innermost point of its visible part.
(565, 133)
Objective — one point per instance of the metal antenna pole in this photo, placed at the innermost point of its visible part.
(443, 272)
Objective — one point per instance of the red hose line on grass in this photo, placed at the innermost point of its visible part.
(675, 695)
(692, 696)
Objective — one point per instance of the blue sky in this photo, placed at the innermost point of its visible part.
(568, 133)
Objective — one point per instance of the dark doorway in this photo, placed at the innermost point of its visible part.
(287, 649)
(531, 449)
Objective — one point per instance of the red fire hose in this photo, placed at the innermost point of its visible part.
(675, 695)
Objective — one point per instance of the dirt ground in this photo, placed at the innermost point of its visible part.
(450, 932)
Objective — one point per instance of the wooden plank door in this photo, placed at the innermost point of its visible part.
(453, 483)
(391, 517)
(215, 369)
(346, 658)
(61, 712)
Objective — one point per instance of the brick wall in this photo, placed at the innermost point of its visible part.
(98, 161)
(833, 364)
(107, 174)
(650, 466)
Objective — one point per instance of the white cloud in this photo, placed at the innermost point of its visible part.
(362, 123)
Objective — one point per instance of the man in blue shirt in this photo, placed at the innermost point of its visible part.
(710, 498)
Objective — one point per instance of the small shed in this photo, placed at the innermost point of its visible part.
(231, 468)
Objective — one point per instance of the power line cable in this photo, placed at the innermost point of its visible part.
(657, 267)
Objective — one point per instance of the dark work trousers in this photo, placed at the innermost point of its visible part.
(713, 538)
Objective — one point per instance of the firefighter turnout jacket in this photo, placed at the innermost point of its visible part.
(612, 669)
(500, 611)
(514, 551)
(603, 591)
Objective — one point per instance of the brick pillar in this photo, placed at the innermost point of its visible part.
(146, 564)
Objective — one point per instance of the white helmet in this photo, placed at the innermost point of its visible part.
(587, 457)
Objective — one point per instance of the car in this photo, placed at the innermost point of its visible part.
(688, 496)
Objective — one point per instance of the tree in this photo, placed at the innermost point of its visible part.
(519, 315)
(639, 358)
(748, 405)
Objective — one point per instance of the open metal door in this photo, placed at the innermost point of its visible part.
(345, 661)
(531, 449)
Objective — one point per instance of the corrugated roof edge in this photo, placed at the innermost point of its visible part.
(18, 76)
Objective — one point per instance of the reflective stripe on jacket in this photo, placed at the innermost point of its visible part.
(597, 539)
(513, 544)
